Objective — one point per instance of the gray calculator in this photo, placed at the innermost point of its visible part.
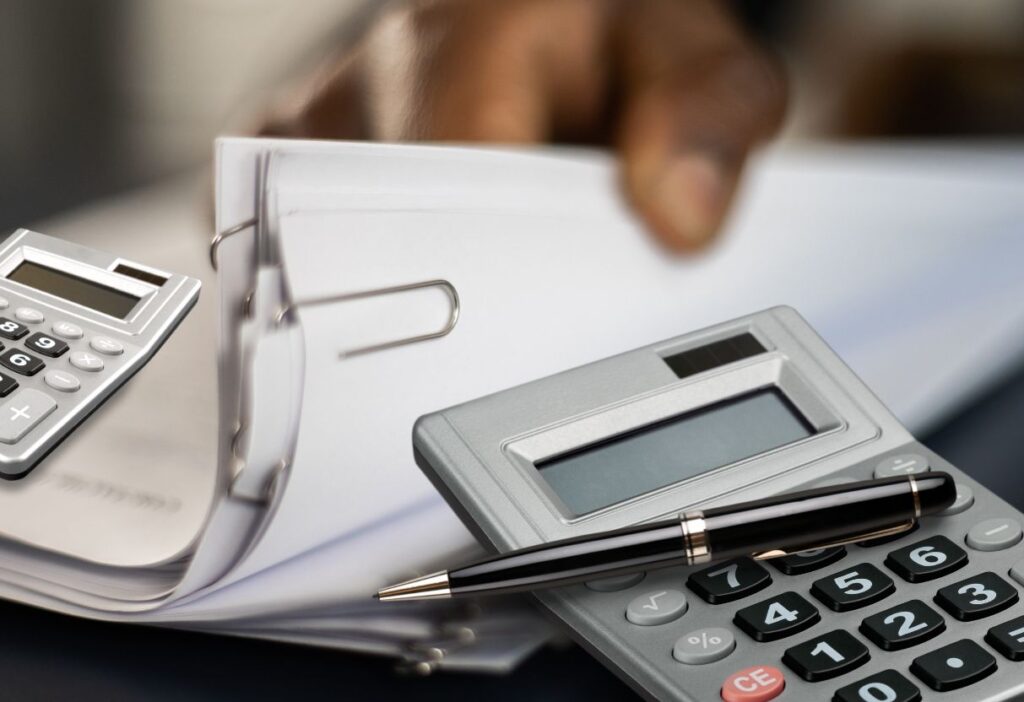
(756, 406)
(75, 324)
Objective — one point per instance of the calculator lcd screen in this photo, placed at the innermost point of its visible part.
(101, 298)
(673, 450)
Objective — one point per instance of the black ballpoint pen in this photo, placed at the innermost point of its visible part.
(775, 526)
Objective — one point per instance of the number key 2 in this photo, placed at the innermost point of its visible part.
(777, 617)
(21, 362)
(45, 345)
(903, 626)
(977, 597)
(826, 656)
(728, 581)
(926, 560)
(854, 587)
(9, 329)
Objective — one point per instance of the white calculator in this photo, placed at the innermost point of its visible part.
(75, 324)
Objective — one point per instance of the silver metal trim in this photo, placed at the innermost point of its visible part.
(429, 587)
(447, 287)
(917, 497)
(695, 538)
(219, 237)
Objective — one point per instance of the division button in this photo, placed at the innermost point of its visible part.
(83, 360)
(29, 314)
(903, 464)
(45, 345)
(994, 534)
(656, 607)
(783, 615)
(106, 345)
(806, 561)
(22, 412)
(67, 330)
(964, 500)
(927, 559)
(62, 380)
(954, 666)
(976, 597)
(1008, 639)
(826, 656)
(8, 384)
(903, 626)
(729, 580)
(885, 686)
(612, 584)
(758, 683)
(704, 646)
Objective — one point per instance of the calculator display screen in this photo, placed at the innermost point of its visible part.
(682, 447)
(87, 293)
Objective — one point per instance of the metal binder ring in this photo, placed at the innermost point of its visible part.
(219, 237)
(448, 288)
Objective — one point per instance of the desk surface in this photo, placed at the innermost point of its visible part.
(49, 656)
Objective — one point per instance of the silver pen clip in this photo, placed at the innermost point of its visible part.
(864, 536)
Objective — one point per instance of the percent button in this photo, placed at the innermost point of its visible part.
(704, 646)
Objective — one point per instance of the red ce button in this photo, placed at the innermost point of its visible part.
(758, 683)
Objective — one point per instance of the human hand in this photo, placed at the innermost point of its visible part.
(673, 85)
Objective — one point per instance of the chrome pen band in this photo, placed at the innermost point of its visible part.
(695, 538)
(917, 497)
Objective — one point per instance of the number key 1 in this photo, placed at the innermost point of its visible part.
(826, 656)
(729, 580)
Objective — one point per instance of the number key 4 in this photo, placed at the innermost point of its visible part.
(777, 617)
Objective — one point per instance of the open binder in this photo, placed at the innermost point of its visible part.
(257, 477)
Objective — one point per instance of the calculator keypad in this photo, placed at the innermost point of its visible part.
(854, 587)
(807, 561)
(729, 580)
(884, 686)
(826, 656)
(954, 666)
(45, 345)
(927, 559)
(907, 624)
(21, 362)
(978, 596)
(777, 617)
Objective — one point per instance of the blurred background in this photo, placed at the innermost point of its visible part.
(100, 96)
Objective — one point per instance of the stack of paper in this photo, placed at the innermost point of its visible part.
(904, 259)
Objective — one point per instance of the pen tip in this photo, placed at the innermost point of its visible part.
(429, 587)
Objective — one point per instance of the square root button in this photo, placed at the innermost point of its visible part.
(22, 412)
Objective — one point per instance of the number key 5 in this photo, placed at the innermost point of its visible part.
(855, 587)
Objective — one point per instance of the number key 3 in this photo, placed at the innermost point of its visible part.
(977, 597)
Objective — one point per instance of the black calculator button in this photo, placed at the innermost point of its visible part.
(1008, 639)
(926, 560)
(903, 626)
(976, 597)
(777, 617)
(729, 580)
(826, 656)
(857, 586)
(21, 362)
(46, 345)
(806, 561)
(954, 666)
(9, 329)
(886, 686)
(7, 384)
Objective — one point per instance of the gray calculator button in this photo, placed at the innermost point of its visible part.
(22, 412)
(994, 534)
(903, 464)
(86, 361)
(62, 380)
(704, 646)
(4, 303)
(104, 344)
(656, 607)
(617, 582)
(964, 499)
(67, 330)
(29, 314)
